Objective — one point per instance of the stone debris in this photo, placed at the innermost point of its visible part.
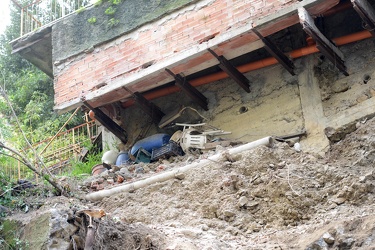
(266, 198)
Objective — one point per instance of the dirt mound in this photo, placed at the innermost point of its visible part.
(265, 198)
(258, 190)
(116, 235)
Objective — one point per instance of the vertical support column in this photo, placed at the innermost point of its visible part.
(312, 109)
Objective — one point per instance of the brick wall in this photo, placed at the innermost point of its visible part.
(156, 42)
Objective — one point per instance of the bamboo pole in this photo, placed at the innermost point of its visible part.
(63, 126)
(268, 141)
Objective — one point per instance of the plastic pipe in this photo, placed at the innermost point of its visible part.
(267, 141)
(253, 66)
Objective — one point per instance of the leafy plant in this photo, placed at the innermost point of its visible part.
(92, 20)
(110, 11)
(113, 22)
(116, 2)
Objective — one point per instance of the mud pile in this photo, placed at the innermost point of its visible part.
(265, 198)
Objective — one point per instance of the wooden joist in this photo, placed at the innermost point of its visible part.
(324, 45)
(192, 92)
(150, 108)
(107, 122)
(228, 68)
(367, 13)
(276, 53)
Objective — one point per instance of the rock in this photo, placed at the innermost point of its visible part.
(364, 178)
(328, 238)
(339, 201)
(110, 181)
(362, 98)
(242, 201)
(165, 162)
(346, 243)
(139, 170)
(124, 170)
(180, 176)
(115, 168)
(297, 147)
(105, 174)
(228, 213)
(99, 180)
(189, 233)
(190, 159)
(159, 168)
(3, 209)
(252, 204)
(204, 227)
(281, 164)
(49, 230)
(120, 179)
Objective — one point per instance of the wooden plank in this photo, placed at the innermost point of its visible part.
(107, 122)
(325, 46)
(150, 108)
(192, 92)
(366, 12)
(276, 53)
(232, 71)
(309, 26)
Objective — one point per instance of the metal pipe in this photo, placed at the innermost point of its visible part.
(252, 66)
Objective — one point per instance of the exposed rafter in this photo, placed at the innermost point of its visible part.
(192, 92)
(276, 53)
(108, 123)
(150, 108)
(322, 43)
(367, 13)
(228, 68)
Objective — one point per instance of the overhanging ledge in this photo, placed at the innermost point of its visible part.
(231, 44)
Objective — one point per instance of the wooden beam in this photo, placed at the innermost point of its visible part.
(150, 108)
(232, 71)
(192, 92)
(276, 53)
(107, 122)
(367, 13)
(322, 43)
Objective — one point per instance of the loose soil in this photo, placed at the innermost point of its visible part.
(265, 198)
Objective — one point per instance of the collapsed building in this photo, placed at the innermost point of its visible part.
(254, 68)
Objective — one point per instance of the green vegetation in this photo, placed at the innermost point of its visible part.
(116, 2)
(79, 168)
(92, 20)
(113, 22)
(98, 3)
(110, 11)
(10, 236)
(31, 95)
(81, 9)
